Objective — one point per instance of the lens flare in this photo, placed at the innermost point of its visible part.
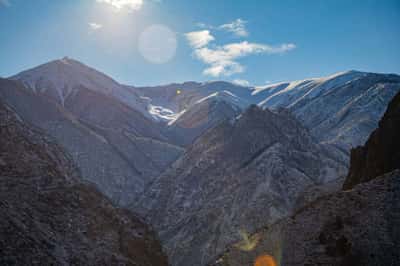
(249, 242)
(265, 260)
(158, 44)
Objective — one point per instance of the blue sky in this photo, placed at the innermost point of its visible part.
(254, 41)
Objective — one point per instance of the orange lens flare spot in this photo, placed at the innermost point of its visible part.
(265, 260)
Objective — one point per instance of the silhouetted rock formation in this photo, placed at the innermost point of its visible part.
(48, 217)
(381, 153)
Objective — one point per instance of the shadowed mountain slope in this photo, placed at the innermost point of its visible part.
(113, 145)
(49, 217)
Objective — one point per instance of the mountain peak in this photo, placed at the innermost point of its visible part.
(61, 78)
(58, 78)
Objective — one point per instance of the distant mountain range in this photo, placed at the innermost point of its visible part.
(202, 162)
(341, 109)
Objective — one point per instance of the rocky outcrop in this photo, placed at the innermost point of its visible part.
(49, 217)
(381, 153)
(237, 176)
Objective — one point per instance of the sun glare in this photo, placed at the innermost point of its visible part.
(120, 4)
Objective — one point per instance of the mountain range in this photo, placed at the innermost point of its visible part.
(204, 162)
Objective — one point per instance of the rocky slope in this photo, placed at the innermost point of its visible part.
(237, 176)
(113, 145)
(206, 113)
(48, 217)
(381, 153)
(358, 226)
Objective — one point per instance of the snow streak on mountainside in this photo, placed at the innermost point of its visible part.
(341, 109)
(202, 115)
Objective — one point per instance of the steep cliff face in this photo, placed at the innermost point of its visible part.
(237, 176)
(49, 217)
(381, 153)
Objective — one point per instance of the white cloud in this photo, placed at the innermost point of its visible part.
(241, 82)
(237, 27)
(4, 3)
(121, 4)
(222, 60)
(198, 39)
(95, 26)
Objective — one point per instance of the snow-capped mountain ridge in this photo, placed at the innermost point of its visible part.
(321, 104)
(63, 77)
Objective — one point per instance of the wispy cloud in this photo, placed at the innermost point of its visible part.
(222, 60)
(95, 26)
(237, 27)
(124, 4)
(241, 82)
(198, 39)
(5, 3)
